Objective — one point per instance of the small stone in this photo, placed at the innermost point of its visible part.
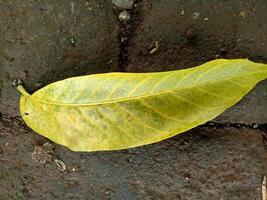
(124, 16)
(255, 126)
(211, 124)
(124, 39)
(242, 14)
(123, 4)
(88, 6)
(187, 177)
(17, 82)
(72, 41)
(196, 15)
(238, 125)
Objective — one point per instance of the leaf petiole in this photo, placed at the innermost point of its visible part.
(23, 91)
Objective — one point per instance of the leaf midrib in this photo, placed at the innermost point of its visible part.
(118, 100)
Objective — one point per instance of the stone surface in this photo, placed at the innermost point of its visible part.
(217, 163)
(46, 41)
(190, 33)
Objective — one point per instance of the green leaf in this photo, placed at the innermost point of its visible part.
(121, 110)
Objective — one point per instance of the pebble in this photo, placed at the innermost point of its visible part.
(242, 14)
(124, 16)
(255, 126)
(196, 15)
(123, 4)
(72, 41)
(17, 82)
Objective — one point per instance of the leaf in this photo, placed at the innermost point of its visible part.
(121, 110)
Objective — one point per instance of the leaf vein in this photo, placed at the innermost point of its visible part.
(161, 114)
(136, 86)
(115, 88)
(114, 124)
(161, 81)
(136, 118)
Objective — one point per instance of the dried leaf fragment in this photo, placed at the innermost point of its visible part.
(155, 48)
(43, 153)
(48, 148)
(61, 166)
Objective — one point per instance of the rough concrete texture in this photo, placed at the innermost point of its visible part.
(45, 41)
(204, 163)
(190, 33)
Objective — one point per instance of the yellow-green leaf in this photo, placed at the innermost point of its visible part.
(121, 110)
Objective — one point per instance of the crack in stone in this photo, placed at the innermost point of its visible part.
(211, 124)
(126, 30)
